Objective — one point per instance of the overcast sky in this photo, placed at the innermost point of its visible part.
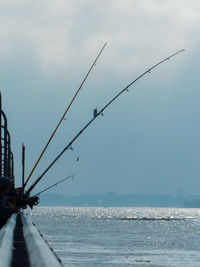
(148, 141)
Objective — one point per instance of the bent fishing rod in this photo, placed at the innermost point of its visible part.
(64, 115)
(71, 176)
(96, 114)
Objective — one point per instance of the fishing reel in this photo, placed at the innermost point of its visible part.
(33, 201)
(27, 200)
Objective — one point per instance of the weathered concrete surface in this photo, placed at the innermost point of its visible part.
(40, 253)
(6, 242)
(21, 245)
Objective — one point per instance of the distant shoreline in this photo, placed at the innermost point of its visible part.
(112, 200)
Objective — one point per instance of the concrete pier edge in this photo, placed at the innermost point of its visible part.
(6, 242)
(40, 254)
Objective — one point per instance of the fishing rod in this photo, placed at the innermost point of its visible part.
(23, 163)
(71, 176)
(64, 115)
(96, 114)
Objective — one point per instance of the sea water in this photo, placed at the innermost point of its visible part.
(95, 236)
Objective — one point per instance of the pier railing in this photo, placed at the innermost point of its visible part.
(6, 242)
(6, 155)
(40, 254)
(21, 244)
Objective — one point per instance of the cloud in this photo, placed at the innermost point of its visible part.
(62, 35)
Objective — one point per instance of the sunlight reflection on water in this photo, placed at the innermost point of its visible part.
(89, 236)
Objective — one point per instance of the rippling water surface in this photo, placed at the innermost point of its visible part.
(121, 236)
